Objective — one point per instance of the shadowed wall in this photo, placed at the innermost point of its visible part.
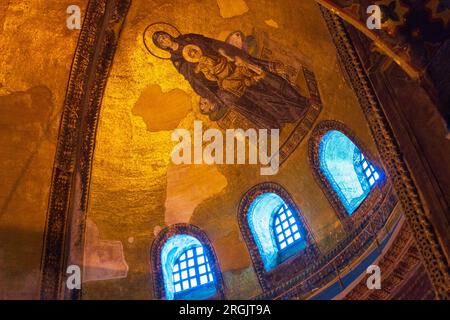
(36, 54)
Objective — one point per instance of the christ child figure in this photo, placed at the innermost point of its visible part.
(232, 74)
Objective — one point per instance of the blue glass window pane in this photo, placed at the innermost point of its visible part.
(194, 273)
(186, 269)
(275, 229)
(286, 232)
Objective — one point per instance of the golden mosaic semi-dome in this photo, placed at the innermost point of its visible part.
(223, 149)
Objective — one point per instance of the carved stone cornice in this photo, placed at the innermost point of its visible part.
(399, 266)
(425, 234)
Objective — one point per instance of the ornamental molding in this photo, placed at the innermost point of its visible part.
(66, 213)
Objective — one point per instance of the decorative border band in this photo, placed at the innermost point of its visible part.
(72, 167)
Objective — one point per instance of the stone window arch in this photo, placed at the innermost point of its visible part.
(185, 266)
(348, 174)
(275, 231)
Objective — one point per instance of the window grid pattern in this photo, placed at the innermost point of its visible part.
(286, 228)
(370, 173)
(191, 270)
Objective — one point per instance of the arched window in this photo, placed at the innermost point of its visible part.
(350, 174)
(275, 232)
(186, 266)
(346, 171)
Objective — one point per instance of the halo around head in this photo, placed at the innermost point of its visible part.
(186, 55)
(148, 38)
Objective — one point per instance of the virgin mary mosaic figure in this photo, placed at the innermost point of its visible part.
(225, 76)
